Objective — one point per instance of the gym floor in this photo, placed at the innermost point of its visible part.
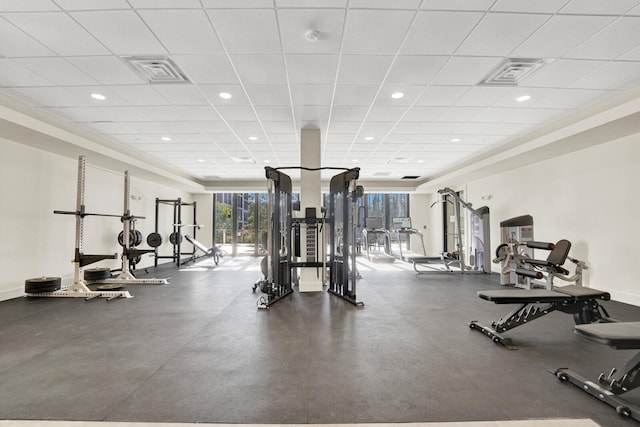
(198, 350)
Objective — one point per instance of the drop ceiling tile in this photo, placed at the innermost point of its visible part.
(376, 129)
(384, 4)
(481, 96)
(212, 93)
(498, 34)
(310, 3)
(465, 70)
(268, 94)
(562, 72)
(510, 115)
(355, 95)
(526, 6)
(411, 93)
(419, 70)
(247, 31)
(165, 4)
(457, 4)
(336, 126)
(439, 33)
(236, 113)
(274, 113)
(278, 127)
(138, 94)
(597, 7)
(312, 69)
(16, 43)
(13, 74)
(197, 113)
(45, 28)
(235, 4)
(441, 95)
(213, 68)
(56, 70)
(375, 31)
(611, 76)
(559, 35)
(92, 4)
(351, 67)
(163, 113)
(100, 114)
(295, 23)
(311, 94)
(427, 114)
(27, 6)
(123, 32)
(631, 55)
(459, 114)
(613, 41)
(386, 113)
(344, 113)
(181, 94)
(260, 68)
(536, 93)
(108, 70)
(169, 27)
(572, 98)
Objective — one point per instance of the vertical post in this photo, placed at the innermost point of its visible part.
(82, 160)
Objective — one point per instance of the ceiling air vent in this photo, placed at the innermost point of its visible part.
(244, 159)
(512, 71)
(410, 177)
(157, 69)
(381, 173)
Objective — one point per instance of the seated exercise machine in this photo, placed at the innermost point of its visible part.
(376, 236)
(534, 303)
(620, 336)
(214, 252)
(536, 272)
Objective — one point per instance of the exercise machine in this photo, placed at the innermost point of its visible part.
(532, 304)
(176, 236)
(79, 287)
(214, 252)
(403, 230)
(609, 388)
(376, 236)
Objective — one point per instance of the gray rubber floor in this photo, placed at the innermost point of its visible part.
(198, 350)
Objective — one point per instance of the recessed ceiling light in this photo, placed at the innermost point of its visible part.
(267, 161)
(200, 160)
(368, 138)
(253, 138)
(523, 98)
(224, 95)
(420, 161)
(355, 160)
(165, 138)
(397, 95)
(98, 96)
(455, 140)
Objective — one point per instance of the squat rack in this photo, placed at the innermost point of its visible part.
(175, 238)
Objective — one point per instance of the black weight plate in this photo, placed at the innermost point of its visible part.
(132, 238)
(42, 284)
(137, 238)
(154, 240)
(98, 273)
(175, 238)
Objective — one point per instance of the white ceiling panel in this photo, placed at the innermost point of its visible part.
(268, 94)
(236, 113)
(93, 4)
(27, 6)
(419, 70)
(482, 96)
(165, 4)
(612, 75)
(16, 43)
(351, 67)
(139, 94)
(310, 3)
(384, 4)
(326, 24)
(349, 113)
(123, 32)
(419, 114)
(235, 4)
(615, 40)
(182, 94)
(311, 94)
(457, 4)
(212, 94)
(410, 94)
(439, 33)
(57, 71)
(510, 115)
(386, 113)
(562, 72)
(13, 74)
(498, 34)
(246, 31)
(375, 31)
(280, 113)
(561, 34)
(441, 95)
(459, 114)
(108, 70)
(206, 68)
(465, 70)
(571, 98)
(198, 113)
(527, 6)
(260, 68)
(597, 7)
(168, 26)
(355, 95)
(311, 114)
(45, 28)
(312, 69)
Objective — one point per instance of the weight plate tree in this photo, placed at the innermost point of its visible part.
(343, 212)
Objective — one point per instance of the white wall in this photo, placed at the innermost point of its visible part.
(34, 183)
(588, 197)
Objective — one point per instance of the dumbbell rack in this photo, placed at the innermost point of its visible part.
(79, 288)
(125, 276)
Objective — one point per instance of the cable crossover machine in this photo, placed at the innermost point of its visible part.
(284, 233)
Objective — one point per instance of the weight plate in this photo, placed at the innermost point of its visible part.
(175, 238)
(98, 273)
(154, 240)
(137, 238)
(132, 238)
(42, 284)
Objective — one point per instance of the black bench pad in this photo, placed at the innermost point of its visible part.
(622, 336)
(568, 293)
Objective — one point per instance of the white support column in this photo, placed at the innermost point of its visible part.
(310, 197)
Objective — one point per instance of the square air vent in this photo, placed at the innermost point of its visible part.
(512, 71)
(410, 177)
(159, 69)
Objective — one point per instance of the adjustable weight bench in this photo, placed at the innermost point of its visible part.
(620, 336)
(534, 303)
(213, 252)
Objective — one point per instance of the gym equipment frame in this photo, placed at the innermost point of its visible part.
(619, 336)
(343, 217)
(175, 238)
(79, 288)
(532, 304)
